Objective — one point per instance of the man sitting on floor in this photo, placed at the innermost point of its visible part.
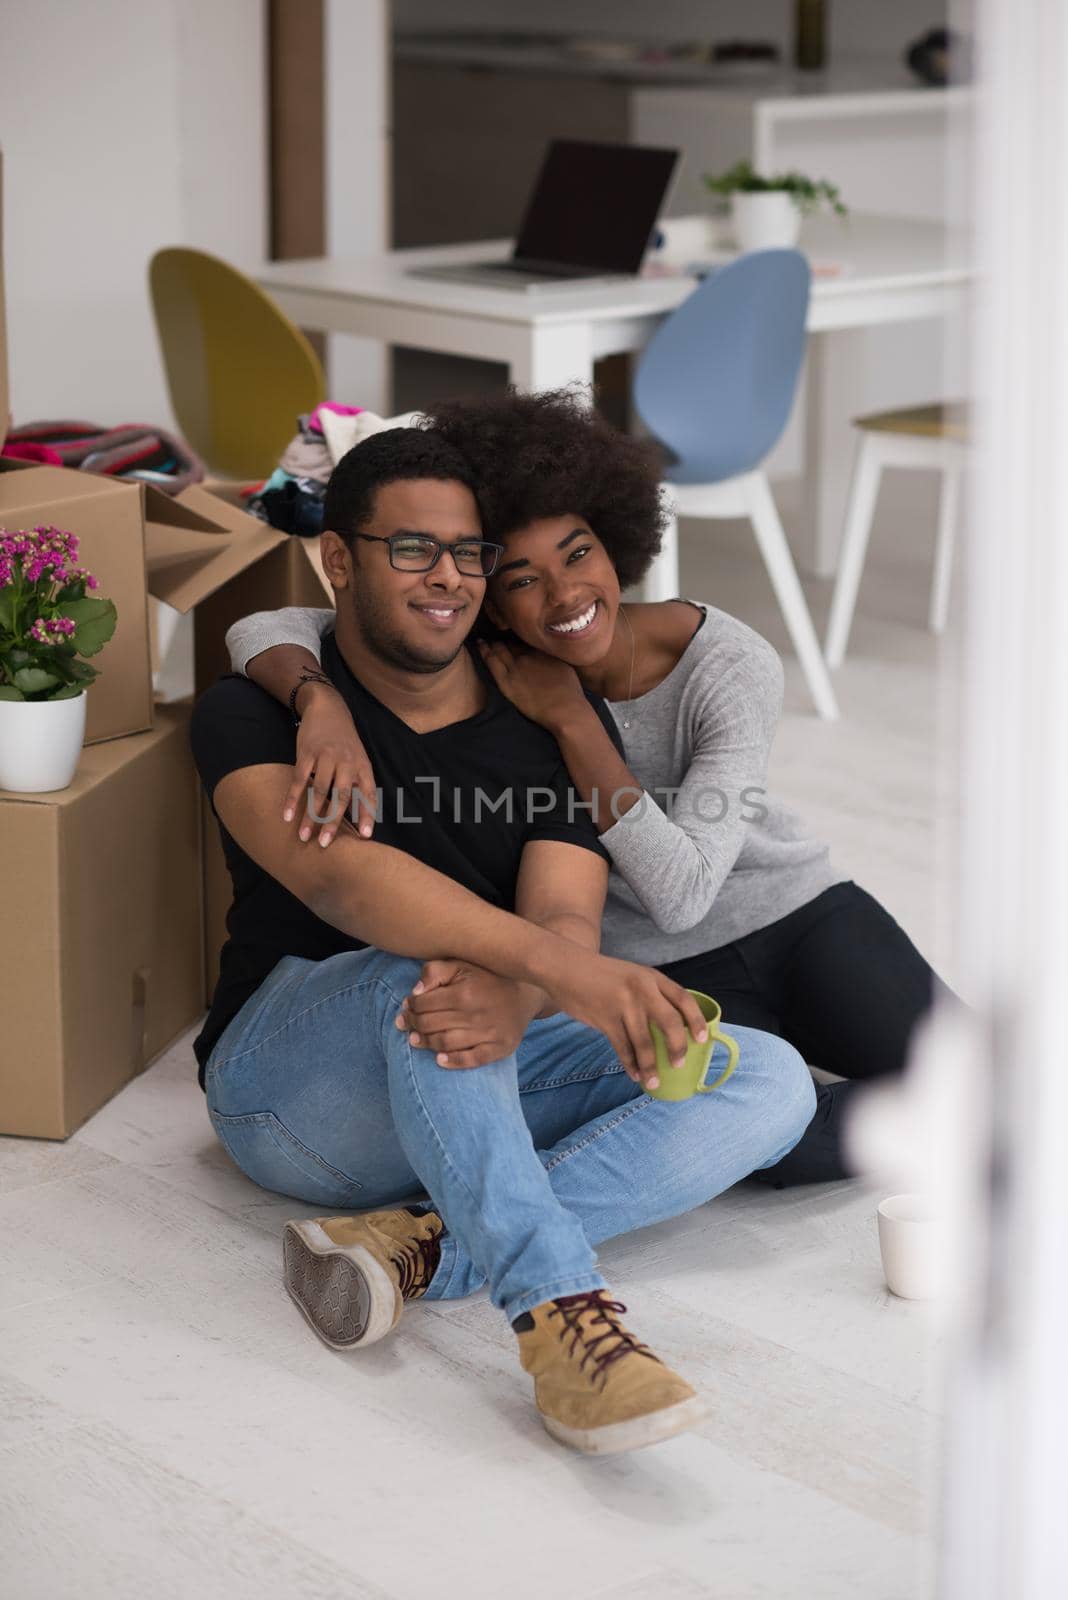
(482, 889)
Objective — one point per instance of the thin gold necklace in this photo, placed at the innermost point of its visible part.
(630, 683)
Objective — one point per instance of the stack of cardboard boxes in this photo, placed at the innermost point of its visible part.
(115, 892)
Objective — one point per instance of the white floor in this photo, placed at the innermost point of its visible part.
(171, 1426)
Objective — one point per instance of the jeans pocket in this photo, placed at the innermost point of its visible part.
(276, 1159)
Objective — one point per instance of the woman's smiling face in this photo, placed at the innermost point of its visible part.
(557, 590)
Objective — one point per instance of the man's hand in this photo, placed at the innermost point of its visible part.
(470, 1017)
(466, 1015)
(620, 999)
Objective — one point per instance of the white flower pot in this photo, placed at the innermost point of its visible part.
(766, 220)
(40, 742)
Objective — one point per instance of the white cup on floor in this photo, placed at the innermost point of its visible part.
(908, 1240)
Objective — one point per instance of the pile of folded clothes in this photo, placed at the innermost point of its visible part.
(292, 497)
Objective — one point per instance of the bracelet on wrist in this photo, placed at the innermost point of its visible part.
(307, 676)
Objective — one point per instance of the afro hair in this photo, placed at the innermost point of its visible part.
(550, 455)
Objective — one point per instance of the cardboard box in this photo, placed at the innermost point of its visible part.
(107, 517)
(101, 962)
(207, 555)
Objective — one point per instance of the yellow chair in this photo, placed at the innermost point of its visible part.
(238, 371)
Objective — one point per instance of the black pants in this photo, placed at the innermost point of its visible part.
(844, 984)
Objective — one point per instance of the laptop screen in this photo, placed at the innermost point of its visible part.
(594, 205)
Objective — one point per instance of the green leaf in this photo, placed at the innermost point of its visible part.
(72, 591)
(44, 657)
(32, 680)
(95, 621)
(806, 193)
(83, 610)
(740, 176)
(68, 692)
(9, 693)
(7, 609)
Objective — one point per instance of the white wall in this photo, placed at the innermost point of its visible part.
(856, 27)
(126, 125)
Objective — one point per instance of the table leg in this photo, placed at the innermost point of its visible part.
(552, 356)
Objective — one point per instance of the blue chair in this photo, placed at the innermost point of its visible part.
(716, 385)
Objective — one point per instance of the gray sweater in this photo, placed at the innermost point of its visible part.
(705, 856)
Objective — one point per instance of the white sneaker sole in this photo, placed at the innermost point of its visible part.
(633, 1434)
(345, 1293)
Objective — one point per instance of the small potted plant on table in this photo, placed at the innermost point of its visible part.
(767, 212)
(48, 622)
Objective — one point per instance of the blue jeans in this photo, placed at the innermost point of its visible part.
(531, 1160)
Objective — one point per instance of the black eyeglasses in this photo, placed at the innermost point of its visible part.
(419, 552)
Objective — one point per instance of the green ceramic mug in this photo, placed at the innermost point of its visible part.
(682, 1083)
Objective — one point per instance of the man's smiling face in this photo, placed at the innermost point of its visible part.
(416, 620)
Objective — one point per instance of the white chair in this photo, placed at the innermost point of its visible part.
(926, 437)
(716, 385)
(748, 495)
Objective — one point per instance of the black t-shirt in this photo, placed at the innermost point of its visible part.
(444, 800)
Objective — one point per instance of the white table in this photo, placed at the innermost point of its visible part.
(900, 270)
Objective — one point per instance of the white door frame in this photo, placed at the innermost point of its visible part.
(1004, 1520)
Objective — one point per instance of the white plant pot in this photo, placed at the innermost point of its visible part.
(766, 220)
(40, 742)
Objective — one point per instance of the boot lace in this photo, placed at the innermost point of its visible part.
(600, 1348)
(416, 1264)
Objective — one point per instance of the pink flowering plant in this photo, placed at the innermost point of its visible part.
(48, 620)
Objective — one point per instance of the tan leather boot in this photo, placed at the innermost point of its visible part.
(350, 1276)
(597, 1389)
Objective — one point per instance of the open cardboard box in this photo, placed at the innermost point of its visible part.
(101, 950)
(206, 555)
